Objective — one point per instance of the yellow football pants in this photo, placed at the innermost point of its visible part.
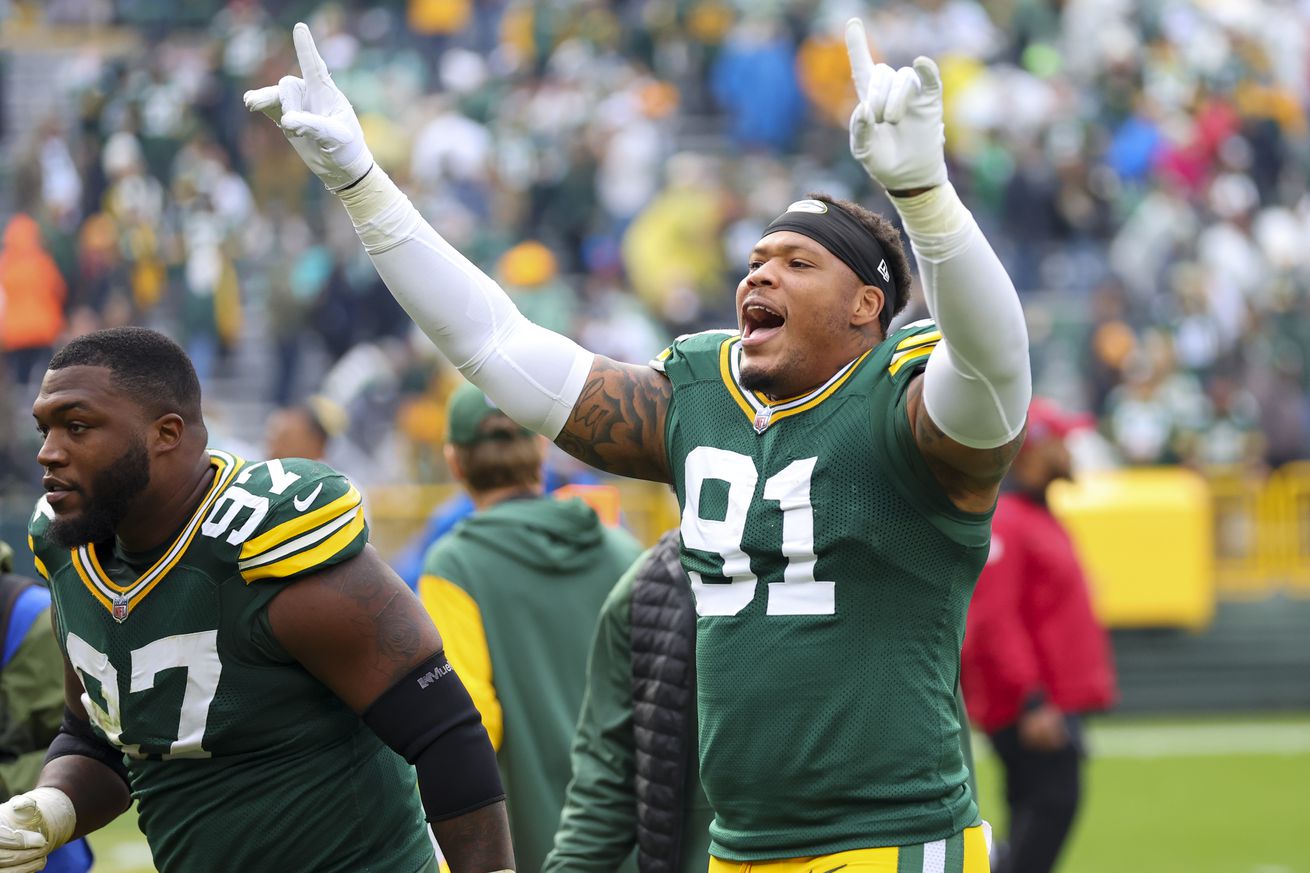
(966, 852)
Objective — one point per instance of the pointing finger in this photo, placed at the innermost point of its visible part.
(904, 84)
(312, 66)
(857, 48)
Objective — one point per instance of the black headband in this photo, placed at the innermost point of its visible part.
(842, 234)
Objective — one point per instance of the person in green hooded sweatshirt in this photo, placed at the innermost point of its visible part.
(515, 589)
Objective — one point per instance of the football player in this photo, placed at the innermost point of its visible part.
(836, 479)
(238, 658)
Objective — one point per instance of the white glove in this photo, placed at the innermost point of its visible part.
(33, 825)
(896, 130)
(316, 117)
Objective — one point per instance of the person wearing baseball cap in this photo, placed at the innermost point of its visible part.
(472, 419)
(1035, 656)
(515, 589)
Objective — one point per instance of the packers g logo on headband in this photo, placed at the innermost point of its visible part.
(818, 207)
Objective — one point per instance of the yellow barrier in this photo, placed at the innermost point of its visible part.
(1144, 537)
(1291, 493)
(1249, 540)
(398, 513)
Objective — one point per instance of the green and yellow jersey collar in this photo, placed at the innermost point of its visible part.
(120, 600)
(760, 409)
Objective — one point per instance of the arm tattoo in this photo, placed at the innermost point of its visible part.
(382, 618)
(617, 425)
(398, 637)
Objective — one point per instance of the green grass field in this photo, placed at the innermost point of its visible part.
(1163, 796)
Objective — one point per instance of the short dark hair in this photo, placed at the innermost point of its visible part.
(889, 237)
(147, 365)
(509, 457)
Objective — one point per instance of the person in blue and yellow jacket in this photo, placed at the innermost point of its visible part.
(31, 695)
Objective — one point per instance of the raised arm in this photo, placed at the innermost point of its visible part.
(968, 409)
(358, 629)
(535, 375)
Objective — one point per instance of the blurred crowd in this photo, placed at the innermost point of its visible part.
(1140, 166)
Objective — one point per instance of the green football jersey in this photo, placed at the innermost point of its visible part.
(832, 575)
(239, 759)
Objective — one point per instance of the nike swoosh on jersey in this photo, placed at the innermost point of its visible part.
(300, 505)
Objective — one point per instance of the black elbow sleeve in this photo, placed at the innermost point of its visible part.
(429, 719)
(76, 737)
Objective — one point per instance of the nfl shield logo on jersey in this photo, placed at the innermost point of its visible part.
(762, 419)
(120, 608)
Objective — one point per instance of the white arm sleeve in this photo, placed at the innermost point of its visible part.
(978, 382)
(533, 374)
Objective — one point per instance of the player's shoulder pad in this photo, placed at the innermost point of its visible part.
(692, 351)
(303, 515)
(44, 552)
(906, 351)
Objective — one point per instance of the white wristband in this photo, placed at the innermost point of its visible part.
(58, 817)
(937, 222)
(382, 214)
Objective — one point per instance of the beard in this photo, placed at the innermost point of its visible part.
(758, 379)
(107, 502)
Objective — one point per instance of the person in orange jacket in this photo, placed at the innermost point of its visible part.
(32, 294)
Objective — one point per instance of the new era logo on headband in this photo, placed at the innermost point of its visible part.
(818, 207)
(883, 271)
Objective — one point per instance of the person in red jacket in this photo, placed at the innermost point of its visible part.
(1035, 656)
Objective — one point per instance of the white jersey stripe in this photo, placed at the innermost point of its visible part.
(319, 533)
(934, 857)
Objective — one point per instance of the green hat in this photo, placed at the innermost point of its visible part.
(6, 557)
(467, 410)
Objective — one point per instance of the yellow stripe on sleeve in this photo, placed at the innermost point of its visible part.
(40, 567)
(304, 560)
(930, 337)
(904, 358)
(288, 530)
(458, 618)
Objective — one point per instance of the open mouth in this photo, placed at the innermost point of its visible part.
(760, 322)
